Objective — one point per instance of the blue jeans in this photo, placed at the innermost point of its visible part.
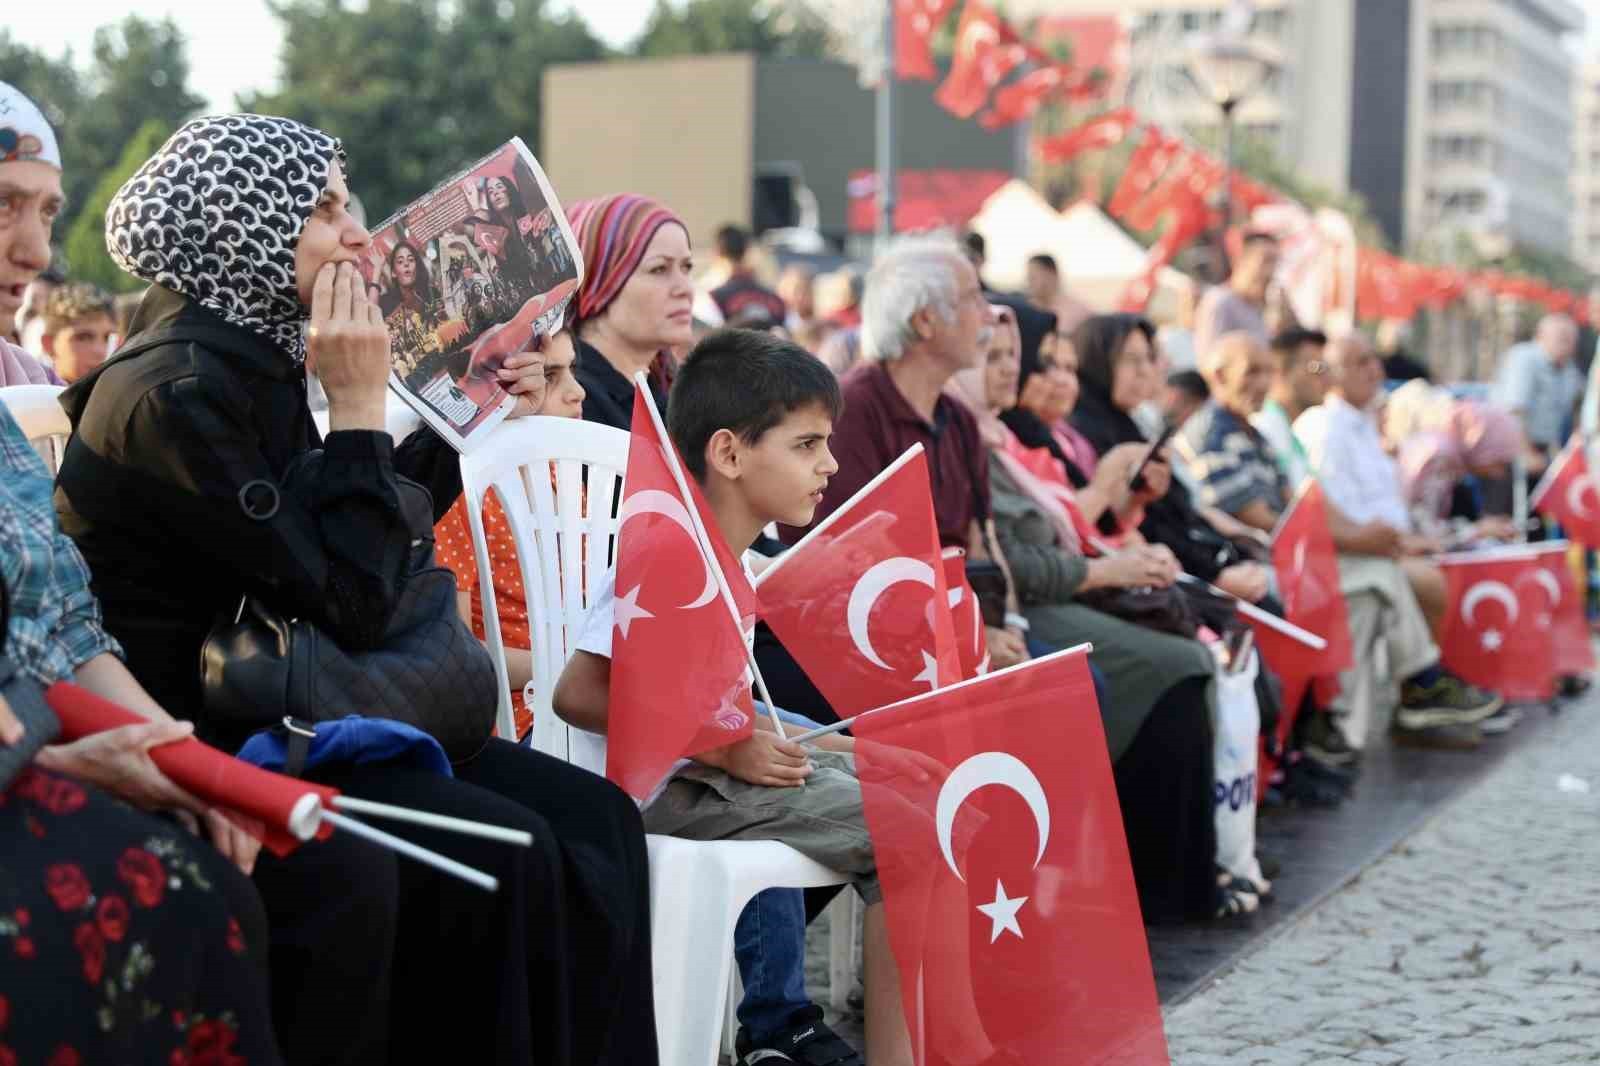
(769, 946)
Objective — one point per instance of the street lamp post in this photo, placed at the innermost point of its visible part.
(1227, 67)
(886, 131)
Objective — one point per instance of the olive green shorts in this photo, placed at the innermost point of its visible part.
(822, 820)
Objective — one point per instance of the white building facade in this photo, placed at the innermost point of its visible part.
(1444, 114)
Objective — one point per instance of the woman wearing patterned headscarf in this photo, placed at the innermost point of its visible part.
(636, 303)
(195, 476)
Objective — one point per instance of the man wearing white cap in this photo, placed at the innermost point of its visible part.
(30, 200)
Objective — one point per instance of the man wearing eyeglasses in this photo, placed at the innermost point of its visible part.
(1300, 379)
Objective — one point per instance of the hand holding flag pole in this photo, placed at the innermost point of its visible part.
(703, 538)
(291, 811)
(1244, 607)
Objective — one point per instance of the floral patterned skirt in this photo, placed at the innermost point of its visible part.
(123, 939)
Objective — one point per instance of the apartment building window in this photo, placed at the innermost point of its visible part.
(1274, 23)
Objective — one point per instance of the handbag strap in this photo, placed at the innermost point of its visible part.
(297, 737)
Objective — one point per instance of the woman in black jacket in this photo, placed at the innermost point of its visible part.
(195, 476)
(1116, 371)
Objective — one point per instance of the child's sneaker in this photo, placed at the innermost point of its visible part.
(806, 1039)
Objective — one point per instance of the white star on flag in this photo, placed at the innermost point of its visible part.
(930, 671)
(628, 611)
(1002, 913)
(1492, 640)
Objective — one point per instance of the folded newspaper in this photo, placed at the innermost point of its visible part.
(466, 276)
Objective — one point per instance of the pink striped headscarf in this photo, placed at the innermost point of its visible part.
(613, 233)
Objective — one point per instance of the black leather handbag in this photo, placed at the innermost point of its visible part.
(259, 666)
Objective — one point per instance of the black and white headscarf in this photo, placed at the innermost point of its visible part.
(217, 212)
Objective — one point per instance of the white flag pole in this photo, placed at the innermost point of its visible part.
(1536, 496)
(841, 726)
(413, 851)
(435, 821)
(1244, 607)
(1266, 618)
(816, 530)
(641, 383)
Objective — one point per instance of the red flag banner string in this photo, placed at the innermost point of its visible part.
(1164, 175)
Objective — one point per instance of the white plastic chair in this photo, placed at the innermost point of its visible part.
(37, 409)
(565, 544)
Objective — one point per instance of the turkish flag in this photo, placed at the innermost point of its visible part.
(1102, 131)
(861, 601)
(1564, 614)
(1148, 162)
(1307, 564)
(1497, 633)
(966, 619)
(1567, 494)
(490, 238)
(986, 50)
(1008, 894)
(914, 23)
(1022, 98)
(282, 805)
(668, 606)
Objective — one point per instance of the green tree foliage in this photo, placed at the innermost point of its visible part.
(760, 26)
(137, 76)
(418, 88)
(85, 243)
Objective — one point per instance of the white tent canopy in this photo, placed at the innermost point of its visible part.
(1097, 259)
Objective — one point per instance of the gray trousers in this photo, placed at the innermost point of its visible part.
(1383, 612)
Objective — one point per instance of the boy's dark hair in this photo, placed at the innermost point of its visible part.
(1191, 383)
(745, 382)
(732, 242)
(1286, 345)
(1046, 260)
(74, 302)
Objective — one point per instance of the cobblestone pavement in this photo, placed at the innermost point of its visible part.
(1475, 941)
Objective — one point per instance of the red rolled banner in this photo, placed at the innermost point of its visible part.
(289, 809)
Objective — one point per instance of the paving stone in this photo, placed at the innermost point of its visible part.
(1471, 944)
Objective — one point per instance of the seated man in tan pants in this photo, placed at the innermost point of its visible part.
(1238, 473)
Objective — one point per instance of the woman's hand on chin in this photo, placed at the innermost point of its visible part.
(347, 347)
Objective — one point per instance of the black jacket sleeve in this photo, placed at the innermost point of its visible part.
(427, 459)
(330, 542)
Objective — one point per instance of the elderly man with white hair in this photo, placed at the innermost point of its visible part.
(1394, 593)
(1231, 462)
(923, 318)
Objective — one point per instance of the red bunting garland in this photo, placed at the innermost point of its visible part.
(1164, 179)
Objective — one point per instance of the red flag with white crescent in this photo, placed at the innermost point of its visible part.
(1562, 612)
(1568, 494)
(966, 617)
(1008, 892)
(987, 49)
(668, 605)
(861, 601)
(1102, 131)
(915, 21)
(1498, 631)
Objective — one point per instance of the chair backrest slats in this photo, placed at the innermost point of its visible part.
(560, 483)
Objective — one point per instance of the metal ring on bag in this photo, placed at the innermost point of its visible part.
(260, 515)
(290, 724)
